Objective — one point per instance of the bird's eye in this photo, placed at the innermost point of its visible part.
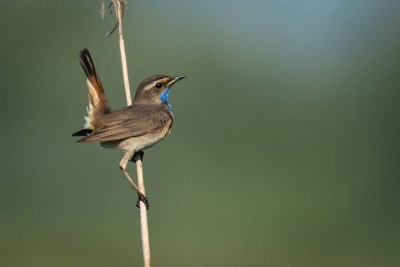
(158, 85)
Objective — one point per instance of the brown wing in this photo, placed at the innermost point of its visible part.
(132, 121)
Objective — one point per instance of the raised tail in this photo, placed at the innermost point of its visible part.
(98, 104)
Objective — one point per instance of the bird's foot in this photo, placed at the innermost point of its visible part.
(140, 153)
(144, 199)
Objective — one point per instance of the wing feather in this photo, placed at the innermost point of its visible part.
(133, 121)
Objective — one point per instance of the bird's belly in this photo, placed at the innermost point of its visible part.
(134, 143)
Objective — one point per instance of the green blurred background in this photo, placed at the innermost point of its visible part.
(284, 151)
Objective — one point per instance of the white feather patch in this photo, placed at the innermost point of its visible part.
(88, 119)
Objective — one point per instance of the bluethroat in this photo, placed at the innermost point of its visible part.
(130, 129)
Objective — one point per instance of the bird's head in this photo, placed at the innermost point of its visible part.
(156, 89)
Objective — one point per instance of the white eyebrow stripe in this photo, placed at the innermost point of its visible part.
(153, 84)
(148, 86)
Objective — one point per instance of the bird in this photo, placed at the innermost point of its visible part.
(130, 129)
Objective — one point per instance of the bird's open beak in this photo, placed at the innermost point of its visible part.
(175, 79)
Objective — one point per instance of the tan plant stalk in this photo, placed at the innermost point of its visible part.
(119, 5)
(119, 11)
(143, 214)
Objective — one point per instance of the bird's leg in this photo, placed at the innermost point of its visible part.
(140, 153)
(122, 166)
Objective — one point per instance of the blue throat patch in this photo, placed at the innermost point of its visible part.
(164, 97)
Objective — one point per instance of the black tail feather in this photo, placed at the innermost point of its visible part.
(87, 63)
(83, 132)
